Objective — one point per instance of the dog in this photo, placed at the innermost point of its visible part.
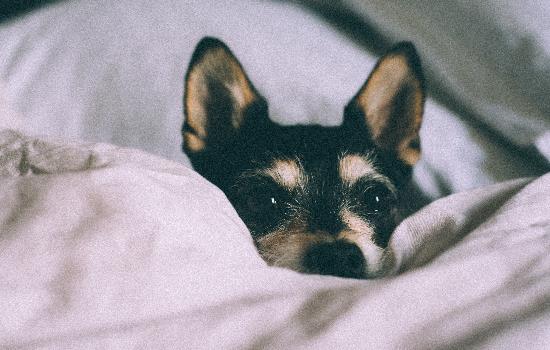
(319, 200)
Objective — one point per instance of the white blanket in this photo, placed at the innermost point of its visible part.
(103, 247)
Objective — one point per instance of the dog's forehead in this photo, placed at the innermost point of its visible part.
(343, 170)
(311, 142)
(292, 172)
(300, 155)
(320, 153)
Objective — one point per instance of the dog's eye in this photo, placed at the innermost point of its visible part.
(262, 203)
(263, 200)
(376, 200)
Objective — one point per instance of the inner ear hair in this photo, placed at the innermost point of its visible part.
(217, 96)
(391, 103)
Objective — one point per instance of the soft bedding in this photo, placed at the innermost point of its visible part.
(112, 71)
(107, 247)
(488, 60)
(103, 246)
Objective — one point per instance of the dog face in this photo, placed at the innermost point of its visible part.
(316, 199)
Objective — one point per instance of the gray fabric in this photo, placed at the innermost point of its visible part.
(107, 247)
(104, 247)
(489, 58)
(112, 71)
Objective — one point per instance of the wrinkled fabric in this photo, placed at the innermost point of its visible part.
(488, 60)
(106, 247)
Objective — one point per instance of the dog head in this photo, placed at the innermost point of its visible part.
(316, 199)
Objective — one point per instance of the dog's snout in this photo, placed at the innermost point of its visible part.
(338, 258)
(324, 221)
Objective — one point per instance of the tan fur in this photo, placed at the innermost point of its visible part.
(378, 94)
(194, 103)
(224, 67)
(377, 99)
(356, 224)
(287, 248)
(243, 97)
(353, 167)
(287, 173)
(361, 233)
(192, 142)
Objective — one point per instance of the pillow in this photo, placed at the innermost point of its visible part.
(113, 72)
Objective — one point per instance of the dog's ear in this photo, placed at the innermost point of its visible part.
(218, 98)
(391, 103)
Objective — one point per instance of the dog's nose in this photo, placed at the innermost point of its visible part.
(338, 258)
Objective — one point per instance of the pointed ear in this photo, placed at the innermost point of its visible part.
(391, 103)
(218, 98)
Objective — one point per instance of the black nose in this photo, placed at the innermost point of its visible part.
(337, 259)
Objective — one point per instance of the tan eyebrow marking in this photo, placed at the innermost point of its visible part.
(353, 167)
(286, 172)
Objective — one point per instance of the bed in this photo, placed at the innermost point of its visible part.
(108, 239)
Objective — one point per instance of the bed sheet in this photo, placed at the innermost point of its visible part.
(108, 247)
